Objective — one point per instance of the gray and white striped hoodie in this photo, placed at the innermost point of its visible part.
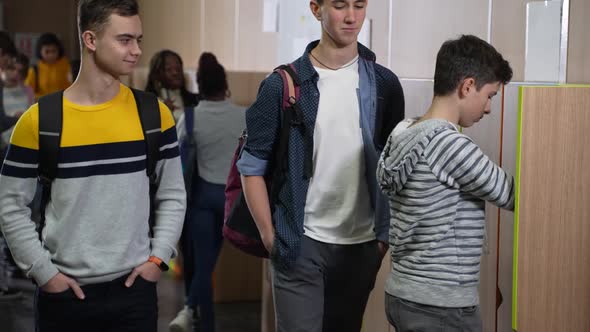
(437, 180)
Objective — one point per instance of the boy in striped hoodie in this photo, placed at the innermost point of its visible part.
(437, 181)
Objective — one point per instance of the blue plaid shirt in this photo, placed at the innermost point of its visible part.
(381, 103)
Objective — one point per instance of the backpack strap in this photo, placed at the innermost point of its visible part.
(2, 101)
(5, 121)
(149, 116)
(292, 111)
(36, 71)
(189, 119)
(292, 116)
(50, 127)
(189, 126)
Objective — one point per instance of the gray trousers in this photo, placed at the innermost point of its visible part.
(327, 288)
(407, 316)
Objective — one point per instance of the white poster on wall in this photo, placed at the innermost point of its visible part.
(543, 41)
(297, 27)
(270, 16)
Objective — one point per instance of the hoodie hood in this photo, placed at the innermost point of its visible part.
(402, 151)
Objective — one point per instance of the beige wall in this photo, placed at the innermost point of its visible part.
(579, 42)
(378, 13)
(178, 29)
(508, 33)
(421, 26)
(418, 29)
(172, 24)
(257, 49)
(232, 30)
(218, 30)
(39, 16)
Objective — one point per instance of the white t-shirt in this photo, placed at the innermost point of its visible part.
(338, 209)
(176, 98)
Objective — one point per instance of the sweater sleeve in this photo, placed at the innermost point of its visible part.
(18, 183)
(458, 162)
(170, 199)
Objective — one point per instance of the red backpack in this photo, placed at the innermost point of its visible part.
(239, 227)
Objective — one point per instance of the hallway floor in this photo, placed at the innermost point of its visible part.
(230, 317)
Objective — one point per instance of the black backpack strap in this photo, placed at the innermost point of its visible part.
(294, 113)
(6, 122)
(292, 116)
(149, 115)
(2, 105)
(50, 126)
(36, 70)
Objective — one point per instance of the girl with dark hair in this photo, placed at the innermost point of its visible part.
(218, 124)
(52, 72)
(166, 80)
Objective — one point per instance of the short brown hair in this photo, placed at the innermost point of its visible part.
(468, 56)
(94, 14)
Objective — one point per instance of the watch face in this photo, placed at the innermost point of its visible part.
(164, 266)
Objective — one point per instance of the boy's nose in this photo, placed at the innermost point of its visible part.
(350, 16)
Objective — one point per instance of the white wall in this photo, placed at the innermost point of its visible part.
(406, 34)
(543, 41)
(421, 26)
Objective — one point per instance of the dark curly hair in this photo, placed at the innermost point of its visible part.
(211, 76)
(7, 44)
(156, 72)
(23, 60)
(48, 39)
(468, 56)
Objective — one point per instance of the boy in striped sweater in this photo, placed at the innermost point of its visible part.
(437, 181)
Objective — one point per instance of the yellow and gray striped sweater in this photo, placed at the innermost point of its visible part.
(97, 220)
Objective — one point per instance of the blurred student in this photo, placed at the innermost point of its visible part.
(218, 124)
(52, 72)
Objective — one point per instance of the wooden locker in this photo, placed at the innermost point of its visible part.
(552, 239)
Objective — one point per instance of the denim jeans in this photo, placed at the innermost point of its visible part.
(205, 226)
(407, 316)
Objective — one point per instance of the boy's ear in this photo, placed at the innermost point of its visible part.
(315, 9)
(466, 86)
(89, 40)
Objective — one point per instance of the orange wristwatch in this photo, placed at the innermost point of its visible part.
(160, 263)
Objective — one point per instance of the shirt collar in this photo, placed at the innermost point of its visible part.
(306, 70)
